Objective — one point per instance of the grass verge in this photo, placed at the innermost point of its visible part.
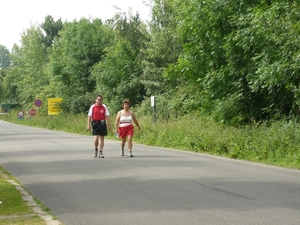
(15, 210)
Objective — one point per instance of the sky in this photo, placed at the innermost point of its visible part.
(18, 15)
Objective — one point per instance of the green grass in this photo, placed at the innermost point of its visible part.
(276, 143)
(13, 209)
(23, 221)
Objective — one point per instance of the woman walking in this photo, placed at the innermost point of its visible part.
(124, 126)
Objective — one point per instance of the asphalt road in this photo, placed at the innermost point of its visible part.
(157, 186)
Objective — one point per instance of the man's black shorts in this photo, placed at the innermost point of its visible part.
(99, 128)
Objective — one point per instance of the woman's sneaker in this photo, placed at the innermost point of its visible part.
(130, 154)
(122, 152)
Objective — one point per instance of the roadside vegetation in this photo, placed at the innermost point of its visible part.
(236, 63)
(13, 209)
(271, 142)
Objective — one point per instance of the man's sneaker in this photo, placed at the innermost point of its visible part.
(96, 153)
(101, 155)
(130, 154)
(122, 152)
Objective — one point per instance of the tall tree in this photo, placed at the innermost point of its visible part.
(2, 75)
(80, 46)
(120, 71)
(4, 57)
(266, 45)
(51, 29)
(28, 66)
(162, 50)
(12, 75)
(4, 64)
(226, 46)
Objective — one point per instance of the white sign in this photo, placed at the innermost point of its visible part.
(152, 101)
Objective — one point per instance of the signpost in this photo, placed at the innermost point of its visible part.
(6, 108)
(32, 112)
(20, 115)
(54, 106)
(38, 103)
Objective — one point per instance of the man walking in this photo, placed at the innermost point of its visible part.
(99, 119)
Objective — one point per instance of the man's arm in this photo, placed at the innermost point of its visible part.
(108, 122)
(89, 120)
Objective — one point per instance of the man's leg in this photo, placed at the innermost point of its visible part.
(96, 145)
(96, 141)
(101, 145)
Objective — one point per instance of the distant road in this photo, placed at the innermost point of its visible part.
(157, 186)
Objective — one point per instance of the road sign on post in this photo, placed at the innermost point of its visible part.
(38, 103)
(6, 108)
(32, 112)
(54, 106)
(20, 115)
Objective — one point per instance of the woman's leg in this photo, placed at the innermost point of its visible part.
(130, 143)
(123, 141)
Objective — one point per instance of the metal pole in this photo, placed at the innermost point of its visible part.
(154, 114)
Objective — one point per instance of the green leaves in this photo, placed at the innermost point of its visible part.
(237, 61)
(27, 77)
(51, 29)
(242, 55)
(80, 46)
(4, 57)
(265, 44)
(120, 71)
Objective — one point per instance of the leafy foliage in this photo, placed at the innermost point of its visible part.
(239, 57)
(120, 71)
(28, 72)
(80, 46)
(51, 29)
(4, 57)
(162, 49)
(238, 62)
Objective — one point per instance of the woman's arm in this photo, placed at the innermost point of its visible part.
(135, 120)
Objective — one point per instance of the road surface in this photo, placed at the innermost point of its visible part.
(158, 186)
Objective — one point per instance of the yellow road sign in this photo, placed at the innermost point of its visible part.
(54, 106)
